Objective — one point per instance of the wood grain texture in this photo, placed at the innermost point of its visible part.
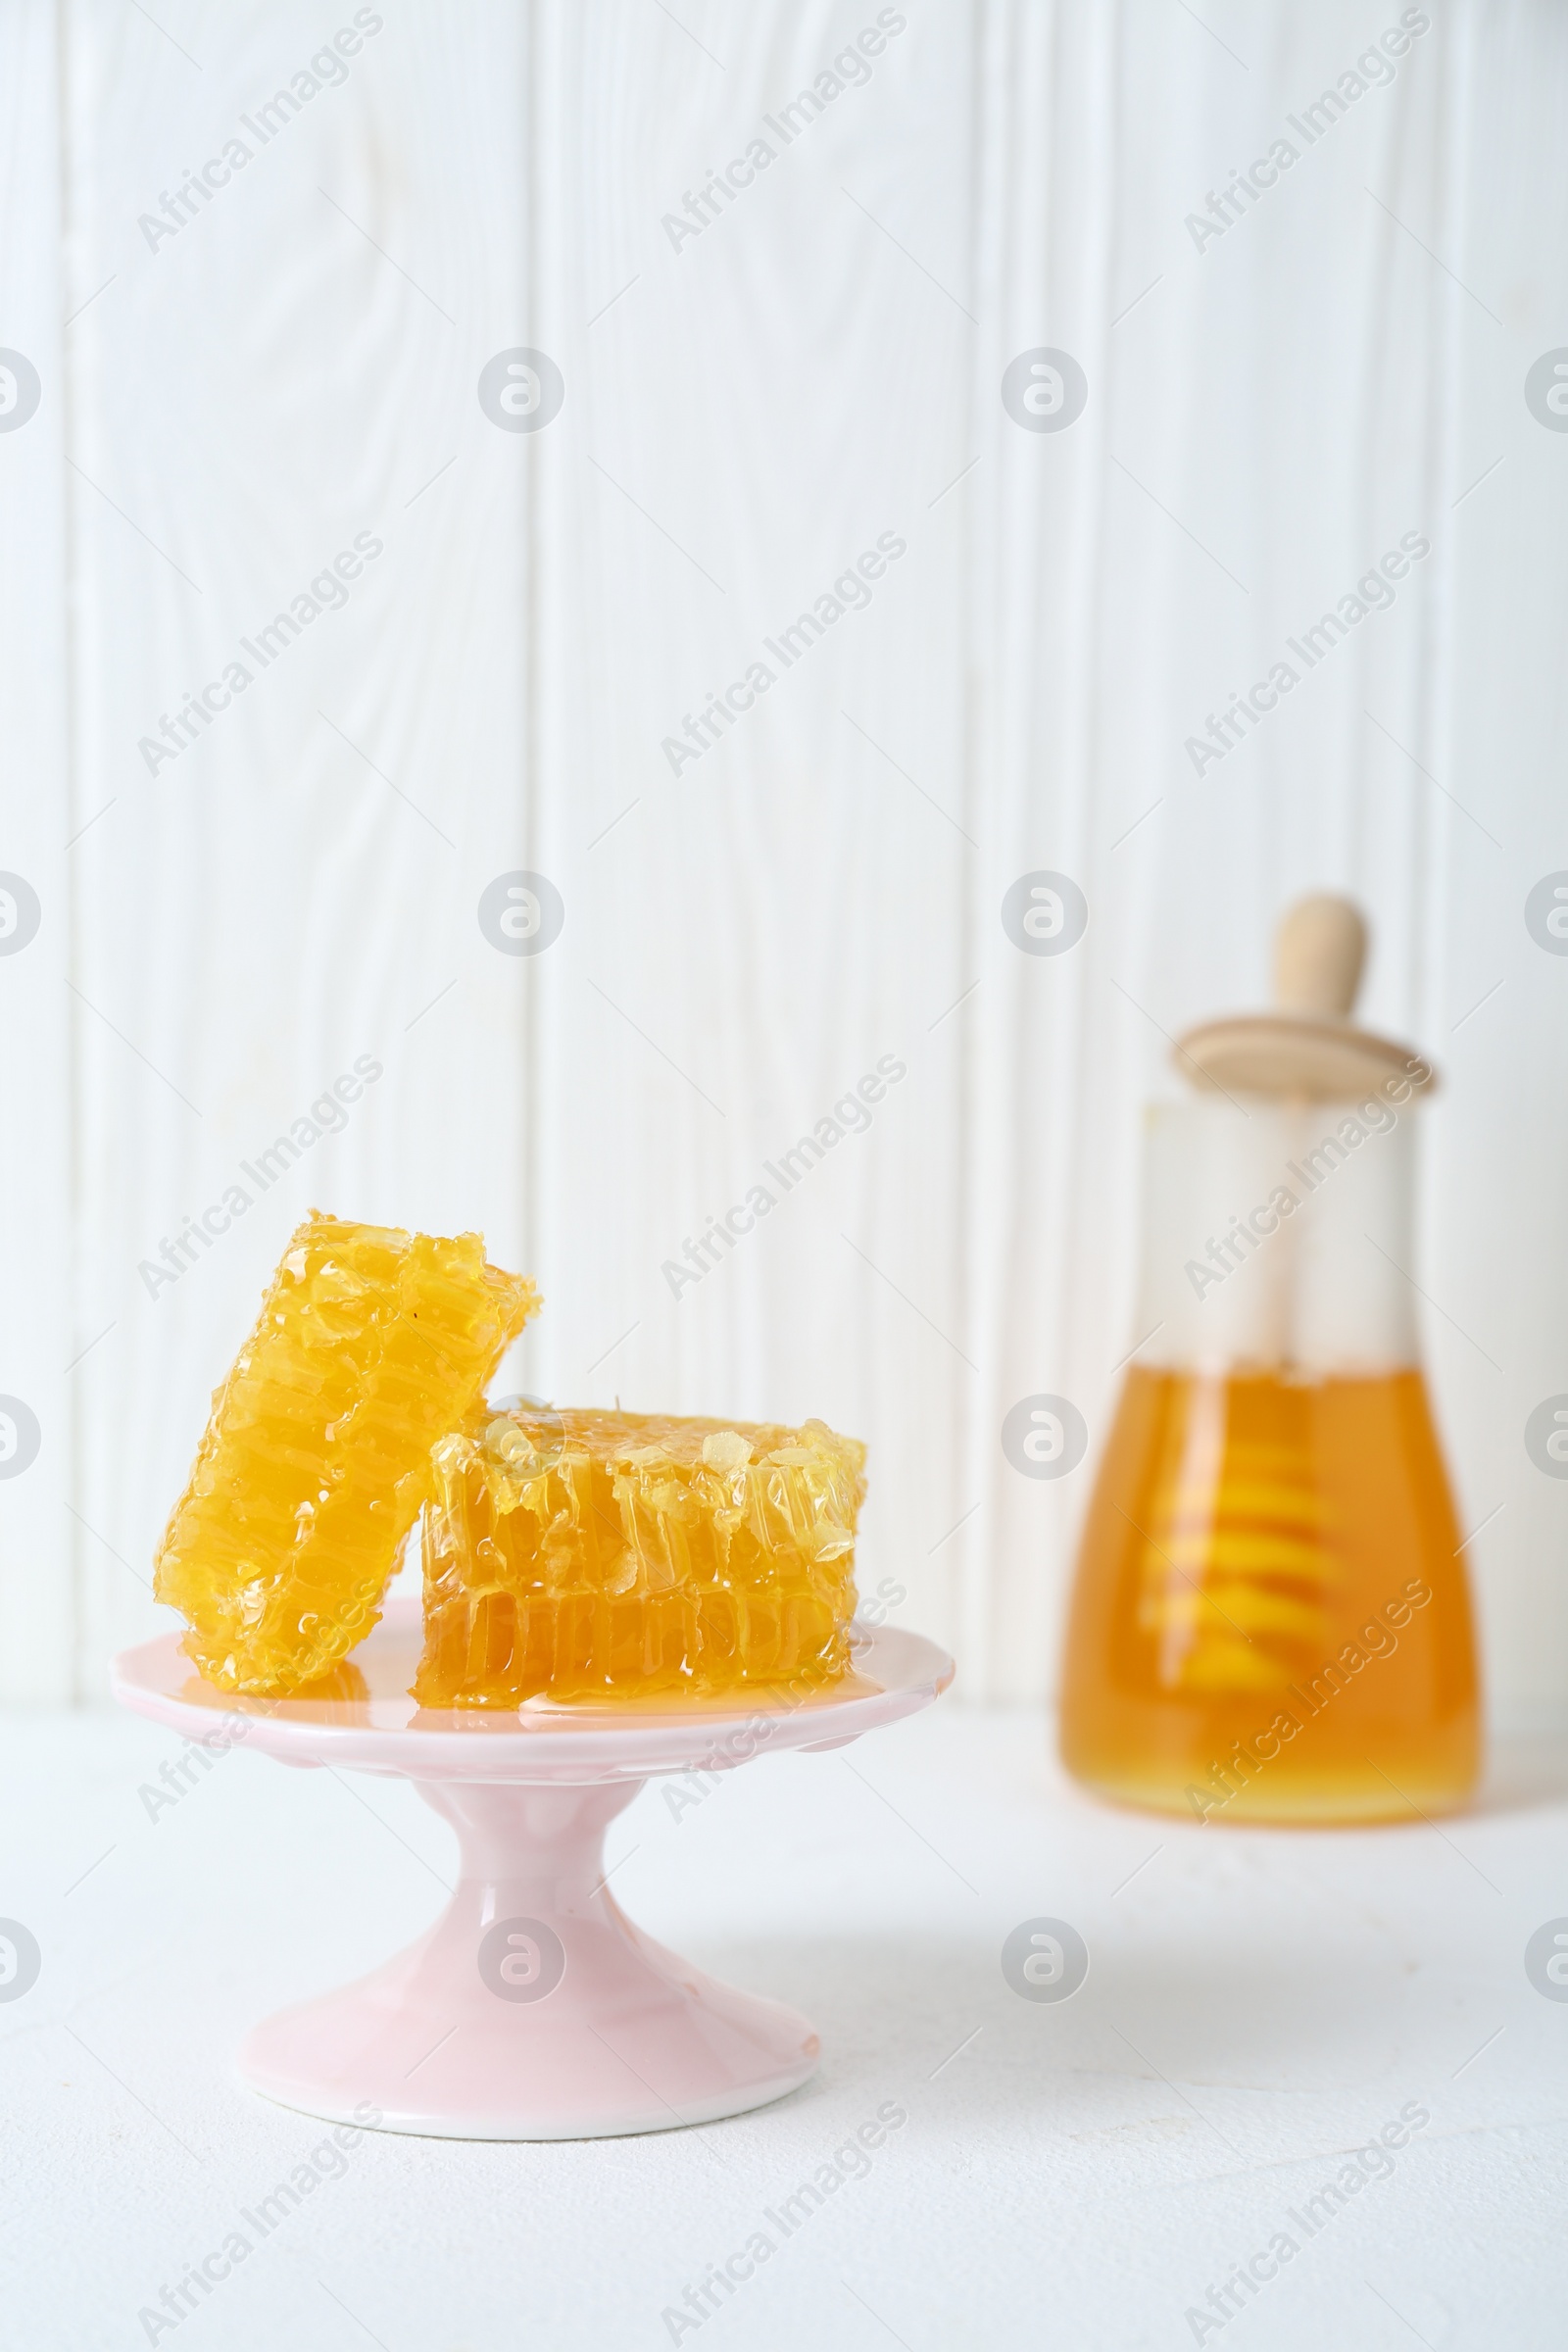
(748, 408)
(40, 1333)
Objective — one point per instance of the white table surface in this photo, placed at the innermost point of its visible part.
(1074, 2175)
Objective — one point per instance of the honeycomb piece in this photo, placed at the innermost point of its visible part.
(371, 1342)
(627, 1555)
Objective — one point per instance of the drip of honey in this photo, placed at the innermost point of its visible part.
(1271, 1620)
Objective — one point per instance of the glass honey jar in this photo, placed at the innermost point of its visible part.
(1270, 1618)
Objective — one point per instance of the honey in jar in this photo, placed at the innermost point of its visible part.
(1271, 1618)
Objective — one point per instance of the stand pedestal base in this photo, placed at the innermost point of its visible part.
(533, 2009)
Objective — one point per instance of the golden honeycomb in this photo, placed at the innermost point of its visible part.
(619, 1556)
(371, 1343)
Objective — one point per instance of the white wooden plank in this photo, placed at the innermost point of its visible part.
(41, 1336)
(296, 894)
(1275, 411)
(763, 404)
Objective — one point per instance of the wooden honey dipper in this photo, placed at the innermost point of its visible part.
(1308, 1049)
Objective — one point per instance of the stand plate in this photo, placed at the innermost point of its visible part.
(533, 2009)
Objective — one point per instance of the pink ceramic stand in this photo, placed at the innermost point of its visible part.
(533, 2009)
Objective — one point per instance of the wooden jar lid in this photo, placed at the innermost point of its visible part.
(1308, 1049)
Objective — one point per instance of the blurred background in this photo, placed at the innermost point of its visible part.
(413, 419)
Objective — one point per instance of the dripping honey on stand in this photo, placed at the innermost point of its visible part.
(1270, 1617)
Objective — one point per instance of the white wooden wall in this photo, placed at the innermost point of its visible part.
(745, 411)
